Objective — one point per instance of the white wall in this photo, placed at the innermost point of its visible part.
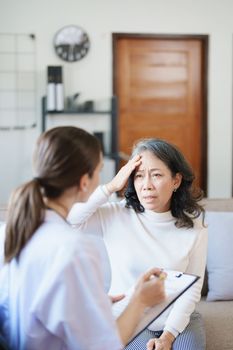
(92, 76)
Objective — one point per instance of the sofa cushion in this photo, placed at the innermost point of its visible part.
(220, 257)
(218, 319)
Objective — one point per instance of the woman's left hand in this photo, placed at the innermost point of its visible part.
(163, 343)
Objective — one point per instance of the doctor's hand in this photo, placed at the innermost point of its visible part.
(116, 298)
(121, 178)
(149, 289)
(164, 342)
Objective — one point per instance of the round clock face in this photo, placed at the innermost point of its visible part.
(71, 43)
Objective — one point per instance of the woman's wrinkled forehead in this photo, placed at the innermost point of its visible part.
(150, 161)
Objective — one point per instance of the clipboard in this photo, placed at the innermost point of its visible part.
(176, 284)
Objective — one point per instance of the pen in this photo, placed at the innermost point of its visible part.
(162, 276)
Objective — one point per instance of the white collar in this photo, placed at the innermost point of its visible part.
(53, 216)
(158, 217)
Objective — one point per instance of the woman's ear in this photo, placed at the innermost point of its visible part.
(177, 181)
(84, 183)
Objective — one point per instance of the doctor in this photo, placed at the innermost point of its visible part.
(52, 281)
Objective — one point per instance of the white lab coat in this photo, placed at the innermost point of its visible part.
(53, 297)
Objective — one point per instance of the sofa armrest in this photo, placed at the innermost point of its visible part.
(218, 204)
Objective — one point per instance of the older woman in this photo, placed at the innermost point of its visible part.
(159, 222)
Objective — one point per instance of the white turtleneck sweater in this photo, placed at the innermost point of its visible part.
(139, 241)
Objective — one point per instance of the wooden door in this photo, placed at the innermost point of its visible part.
(160, 83)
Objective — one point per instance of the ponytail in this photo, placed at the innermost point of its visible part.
(25, 214)
(61, 157)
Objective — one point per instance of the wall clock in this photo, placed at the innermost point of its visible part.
(71, 43)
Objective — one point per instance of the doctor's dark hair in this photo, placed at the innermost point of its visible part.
(184, 202)
(61, 157)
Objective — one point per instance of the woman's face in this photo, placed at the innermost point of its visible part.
(154, 183)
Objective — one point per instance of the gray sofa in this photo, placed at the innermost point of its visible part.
(217, 314)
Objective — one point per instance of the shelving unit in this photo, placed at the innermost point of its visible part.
(112, 112)
(17, 81)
